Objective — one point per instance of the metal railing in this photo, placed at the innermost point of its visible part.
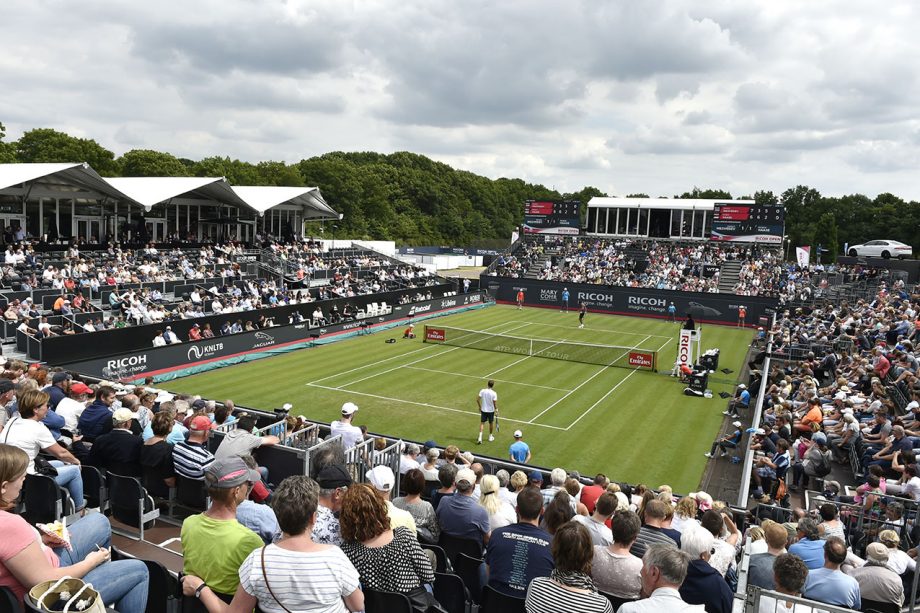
(305, 438)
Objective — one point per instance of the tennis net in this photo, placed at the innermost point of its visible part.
(587, 353)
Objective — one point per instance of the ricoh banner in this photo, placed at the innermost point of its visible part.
(705, 307)
(216, 351)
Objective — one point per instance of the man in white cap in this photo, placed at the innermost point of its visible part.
(519, 450)
(351, 435)
(742, 400)
(119, 450)
(729, 441)
(383, 480)
(170, 336)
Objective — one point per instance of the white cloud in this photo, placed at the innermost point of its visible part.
(628, 97)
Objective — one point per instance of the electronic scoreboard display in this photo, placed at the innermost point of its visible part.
(748, 223)
(551, 217)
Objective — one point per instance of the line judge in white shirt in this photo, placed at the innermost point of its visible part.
(488, 405)
(664, 568)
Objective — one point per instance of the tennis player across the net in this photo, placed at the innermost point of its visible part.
(588, 353)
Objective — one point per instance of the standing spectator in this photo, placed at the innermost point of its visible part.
(760, 569)
(877, 582)
(519, 450)
(192, 457)
(569, 586)
(333, 480)
(664, 568)
(704, 584)
(242, 442)
(501, 513)
(382, 479)
(615, 570)
(387, 559)
(26, 431)
(307, 575)
(828, 584)
(118, 451)
(518, 553)
(426, 522)
(214, 543)
(596, 523)
(460, 515)
(351, 435)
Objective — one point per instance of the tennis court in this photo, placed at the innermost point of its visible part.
(634, 424)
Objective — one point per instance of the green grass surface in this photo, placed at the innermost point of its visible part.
(634, 426)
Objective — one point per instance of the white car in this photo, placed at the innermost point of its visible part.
(885, 249)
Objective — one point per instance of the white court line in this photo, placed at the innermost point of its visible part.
(425, 404)
(402, 355)
(585, 382)
(612, 389)
(522, 359)
(537, 323)
(457, 374)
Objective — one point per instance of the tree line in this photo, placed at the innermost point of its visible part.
(415, 200)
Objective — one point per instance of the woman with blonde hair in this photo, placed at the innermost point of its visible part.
(28, 558)
(518, 481)
(501, 513)
(684, 514)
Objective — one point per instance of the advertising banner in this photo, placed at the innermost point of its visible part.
(685, 348)
(705, 307)
(802, 255)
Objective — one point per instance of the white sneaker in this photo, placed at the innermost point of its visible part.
(707, 454)
(581, 325)
(491, 438)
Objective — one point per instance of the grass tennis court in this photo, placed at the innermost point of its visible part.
(633, 425)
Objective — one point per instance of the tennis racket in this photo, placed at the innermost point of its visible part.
(498, 427)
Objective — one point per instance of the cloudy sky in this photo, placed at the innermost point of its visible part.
(651, 97)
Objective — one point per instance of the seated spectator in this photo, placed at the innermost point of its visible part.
(305, 575)
(809, 545)
(96, 419)
(118, 451)
(460, 515)
(760, 568)
(26, 431)
(615, 570)
(501, 513)
(828, 584)
(704, 584)
(387, 558)
(192, 457)
(430, 466)
(684, 514)
(729, 441)
(242, 442)
(596, 523)
(831, 524)
(590, 493)
(664, 568)
(156, 457)
(426, 522)
(257, 517)
(333, 480)
(446, 475)
(28, 558)
(569, 586)
(214, 543)
(557, 513)
(789, 576)
(877, 582)
(72, 407)
(719, 523)
(382, 479)
(519, 552)
(654, 530)
(409, 458)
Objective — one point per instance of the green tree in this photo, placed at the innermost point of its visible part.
(149, 163)
(47, 145)
(638, 195)
(825, 235)
(706, 194)
(7, 150)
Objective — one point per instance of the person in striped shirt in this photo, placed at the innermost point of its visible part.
(192, 457)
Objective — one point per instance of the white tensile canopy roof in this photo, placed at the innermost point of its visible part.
(263, 198)
(73, 174)
(150, 191)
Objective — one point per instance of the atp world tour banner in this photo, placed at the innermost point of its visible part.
(704, 307)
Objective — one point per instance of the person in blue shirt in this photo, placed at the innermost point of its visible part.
(828, 584)
(809, 547)
(672, 313)
(519, 450)
(729, 441)
(742, 400)
(96, 420)
(565, 300)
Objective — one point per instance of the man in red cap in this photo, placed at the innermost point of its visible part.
(192, 457)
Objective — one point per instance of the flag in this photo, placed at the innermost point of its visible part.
(802, 255)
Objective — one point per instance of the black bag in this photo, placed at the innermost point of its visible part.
(821, 467)
(424, 601)
(44, 468)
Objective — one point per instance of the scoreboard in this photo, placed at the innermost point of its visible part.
(551, 217)
(751, 223)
